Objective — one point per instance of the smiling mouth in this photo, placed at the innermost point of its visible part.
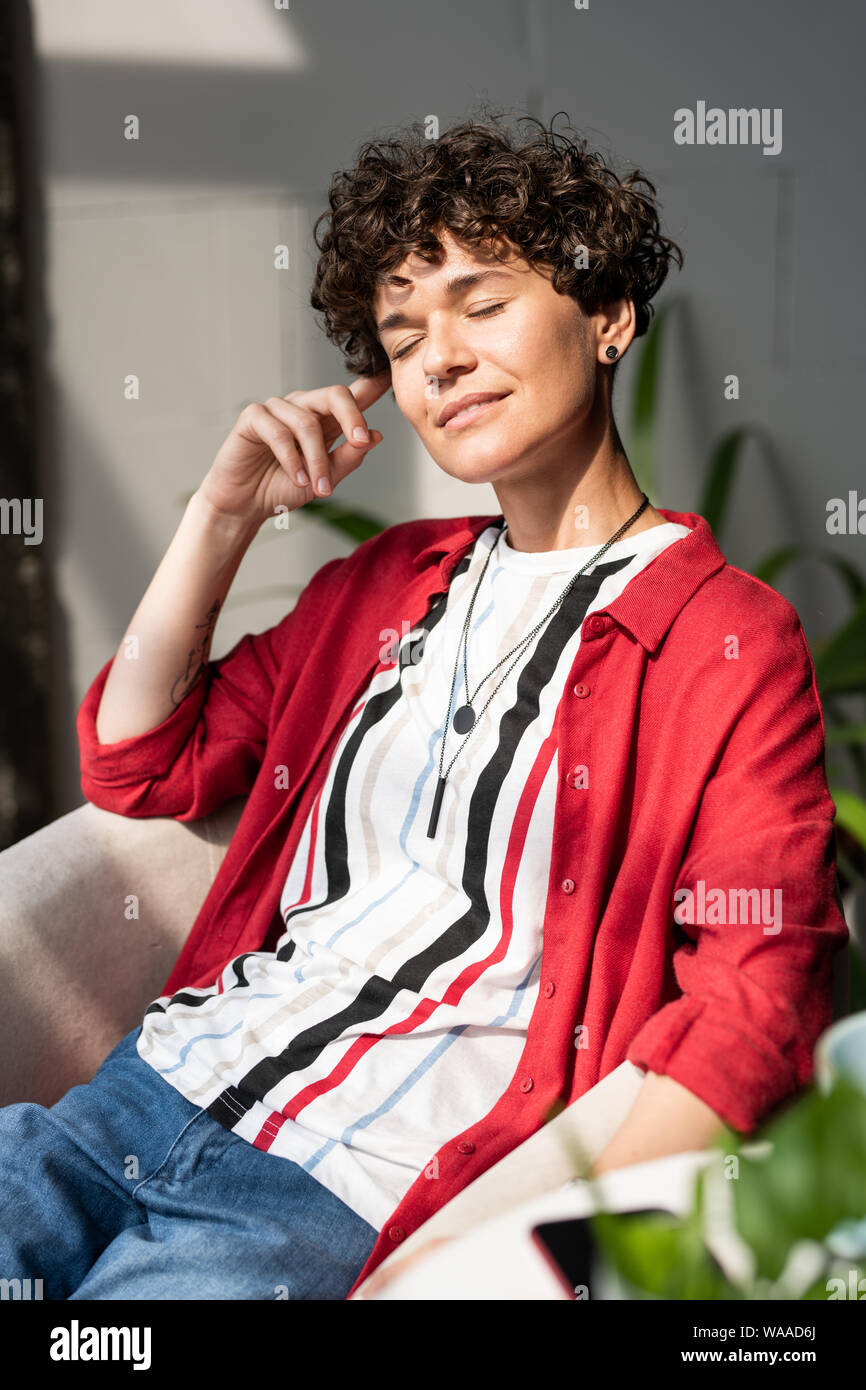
(465, 417)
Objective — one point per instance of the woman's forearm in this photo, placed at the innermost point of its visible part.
(169, 637)
(666, 1118)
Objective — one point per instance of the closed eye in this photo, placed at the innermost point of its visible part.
(478, 314)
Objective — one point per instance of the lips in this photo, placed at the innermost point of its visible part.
(479, 398)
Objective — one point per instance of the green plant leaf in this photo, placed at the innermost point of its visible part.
(813, 1179)
(720, 479)
(851, 813)
(852, 873)
(357, 525)
(857, 977)
(847, 733)
(819, 1292)
(854, 751)
(770, 568)
(661, 1255)
(643, 441)
(841, 665)
(776, 562)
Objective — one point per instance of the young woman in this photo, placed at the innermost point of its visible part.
(528, 795)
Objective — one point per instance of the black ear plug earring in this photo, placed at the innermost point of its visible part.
(612, 351)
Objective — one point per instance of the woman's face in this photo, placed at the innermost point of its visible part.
(507, 332)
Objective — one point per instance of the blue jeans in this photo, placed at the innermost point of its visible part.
(126, 1190)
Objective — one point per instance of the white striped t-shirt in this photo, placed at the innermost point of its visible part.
(392, 1013)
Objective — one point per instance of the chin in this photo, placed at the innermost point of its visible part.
(485, 465)
(476, 475)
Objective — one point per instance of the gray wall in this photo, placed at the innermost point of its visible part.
(160, 261)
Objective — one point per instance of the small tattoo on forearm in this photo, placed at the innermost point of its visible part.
(197, 657)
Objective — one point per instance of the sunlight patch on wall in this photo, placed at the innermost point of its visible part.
(209, 33)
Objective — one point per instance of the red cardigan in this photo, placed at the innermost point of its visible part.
(692, 710)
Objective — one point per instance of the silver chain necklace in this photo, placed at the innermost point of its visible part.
(465, 720)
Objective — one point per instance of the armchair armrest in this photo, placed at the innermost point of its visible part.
(94, 910)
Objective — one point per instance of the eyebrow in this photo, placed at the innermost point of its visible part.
(456, 285)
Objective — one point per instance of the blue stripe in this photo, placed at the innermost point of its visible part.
(420, 1070)
(208, 1037)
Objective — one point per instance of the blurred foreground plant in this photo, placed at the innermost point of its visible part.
(796, 1224)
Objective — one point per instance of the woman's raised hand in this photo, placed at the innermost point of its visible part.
(277, 452)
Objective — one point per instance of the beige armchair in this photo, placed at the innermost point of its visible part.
(79, 968)
(79, 972)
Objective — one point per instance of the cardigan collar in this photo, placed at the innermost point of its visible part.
(648, 604)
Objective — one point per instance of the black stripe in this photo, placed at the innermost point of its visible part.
(377, 994)
(335, 838)
(513, 725)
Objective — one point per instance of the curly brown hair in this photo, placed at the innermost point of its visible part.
(544, 194)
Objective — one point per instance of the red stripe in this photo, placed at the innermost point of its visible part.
(265, 1137)
(467, 977)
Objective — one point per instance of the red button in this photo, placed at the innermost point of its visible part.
(466, 1146)
(567, 885)
(396, 1233)
(550, 987)
(581, 691)
(527, 1083)
(596, 624)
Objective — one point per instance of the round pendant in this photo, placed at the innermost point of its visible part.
(463, 719)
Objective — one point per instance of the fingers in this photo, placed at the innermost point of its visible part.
(273, 431)
(314, 466)
(308, 414)
(367, 389)
(349, 456)
(342, 405)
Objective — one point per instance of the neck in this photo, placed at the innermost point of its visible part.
(575, 507)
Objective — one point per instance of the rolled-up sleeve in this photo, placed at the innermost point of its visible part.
(211, 746)
(755, 998)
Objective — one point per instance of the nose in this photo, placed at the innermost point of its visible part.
(444, 353)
